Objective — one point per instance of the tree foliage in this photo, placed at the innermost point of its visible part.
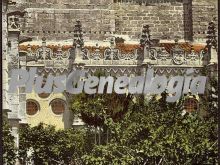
(50, 146)
(156, 132)
(9, 149)
(93, 109)
(139, 131)
(151, 131)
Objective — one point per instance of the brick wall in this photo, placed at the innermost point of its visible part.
(203, 12)
(64, 4)
(165, 19)
(168, 19)
(59, 23)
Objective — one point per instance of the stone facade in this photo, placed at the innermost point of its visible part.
(203, 12)
(173, 18)
(165, 20)
(57, 24)
(62, 121)
(4, 57)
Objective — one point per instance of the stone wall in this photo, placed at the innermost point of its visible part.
(165, 19)
(4, 58)
(55, 19)
(203, 12)
(58, 23)
(64, 4)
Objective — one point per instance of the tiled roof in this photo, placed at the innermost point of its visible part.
(186, 46)
(123, 47)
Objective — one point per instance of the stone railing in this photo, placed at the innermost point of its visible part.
(147, 52)
(155, 55)
(46, 58)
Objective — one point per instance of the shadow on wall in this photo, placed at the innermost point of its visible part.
(187, 20)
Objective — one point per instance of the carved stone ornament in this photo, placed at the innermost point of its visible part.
(178, 54)
(13, 23)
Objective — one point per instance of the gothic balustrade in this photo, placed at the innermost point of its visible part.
(147, 52)
(45, 56)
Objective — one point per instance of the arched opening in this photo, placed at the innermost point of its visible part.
(58, 106)
(190, 105)
(32, 107)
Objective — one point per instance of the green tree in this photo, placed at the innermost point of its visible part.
(93, 109)
(96, 108)
(9, 149)
(156, 132)
(51, 146)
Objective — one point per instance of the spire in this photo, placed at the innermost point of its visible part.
(145, 36)
(211, 36)
(78, 40)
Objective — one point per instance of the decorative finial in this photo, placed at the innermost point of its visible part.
(176, 40)
(192, 48)
(211, 35)
(29, 47)
(44, 39)
(112, 42)
(78, 40)
(145, 36)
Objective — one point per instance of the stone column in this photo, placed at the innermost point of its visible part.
(4, 58)
(13, 63)
(213, 56)
(22, 95)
